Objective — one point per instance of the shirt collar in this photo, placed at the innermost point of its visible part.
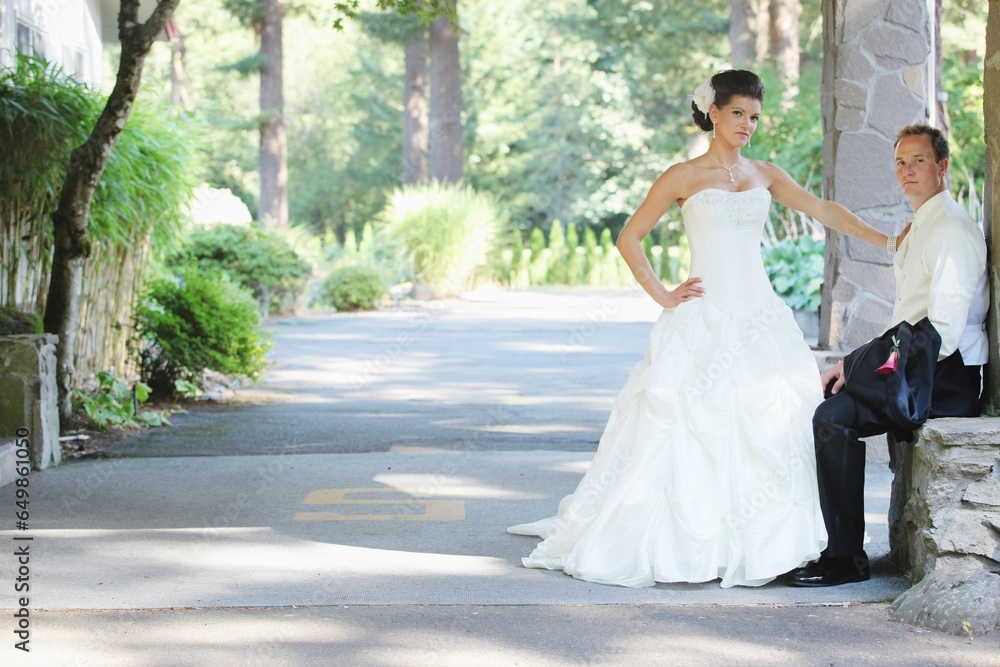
(931, 206)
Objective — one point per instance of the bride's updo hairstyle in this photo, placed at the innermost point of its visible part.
(728, 85)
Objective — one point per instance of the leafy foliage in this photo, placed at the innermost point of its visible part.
(425, 10)
(571, 109)
(114, 404)
(42, 116)
(139, 203)
(186, 389)
(963, 52)
(355, 287)
(259, 259)
(200, 321)
(148, 179)
(792, 138)
(795, 267)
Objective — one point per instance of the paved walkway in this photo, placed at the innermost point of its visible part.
(353, 508)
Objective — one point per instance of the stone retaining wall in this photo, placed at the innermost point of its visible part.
(28, 400)
(945, 506)
(944, 526)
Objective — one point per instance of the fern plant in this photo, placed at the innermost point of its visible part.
(795, 268)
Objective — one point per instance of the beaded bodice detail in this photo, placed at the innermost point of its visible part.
(724, 231)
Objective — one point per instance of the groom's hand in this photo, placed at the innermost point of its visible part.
(834, 374)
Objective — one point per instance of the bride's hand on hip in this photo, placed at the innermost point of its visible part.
(687, 290)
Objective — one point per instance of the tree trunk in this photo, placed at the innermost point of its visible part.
(559, 161)
(178, 67)
(748, 21)
(446, 103)
(86, 164)
(941, 119)
(273, 141)
(415, 132)
(784, 51)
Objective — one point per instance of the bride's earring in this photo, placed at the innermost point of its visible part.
(713, 130)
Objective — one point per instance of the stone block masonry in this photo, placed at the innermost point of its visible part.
(944, 525)
(946, 497)
(28, 399)
(877, 78)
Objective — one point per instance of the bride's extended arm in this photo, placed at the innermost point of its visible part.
(661, 195)
(787, 192)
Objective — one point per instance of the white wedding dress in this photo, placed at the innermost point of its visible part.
(706, 468)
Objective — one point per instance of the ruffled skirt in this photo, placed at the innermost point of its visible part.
(706, 468)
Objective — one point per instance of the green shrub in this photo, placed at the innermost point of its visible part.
(366, 246)
(350, 245)
(538, 268)
(591, 257)
(519, 260)
(575, 264)
(259, 259)
(114, 404)
(201, 321)
(558, 269)
(795, 267)
(14, 322)
(357, 287)
(446, 233)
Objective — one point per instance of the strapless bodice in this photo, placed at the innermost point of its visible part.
(724, 229)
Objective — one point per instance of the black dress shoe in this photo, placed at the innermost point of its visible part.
(832, 571)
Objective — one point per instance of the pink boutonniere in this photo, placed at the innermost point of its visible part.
(890, 364)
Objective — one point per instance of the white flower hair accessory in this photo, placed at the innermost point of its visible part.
(704, 96)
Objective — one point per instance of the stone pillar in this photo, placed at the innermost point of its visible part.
(991, 197)
(877, 76)
(28, 396)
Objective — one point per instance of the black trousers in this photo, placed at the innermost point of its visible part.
(839, 424)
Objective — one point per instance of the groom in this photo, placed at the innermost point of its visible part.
(940, 273)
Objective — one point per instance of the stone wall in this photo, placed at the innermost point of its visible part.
(28, 399)
(945, 506)
(876, 79)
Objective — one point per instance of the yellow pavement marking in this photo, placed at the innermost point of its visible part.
(434, 510)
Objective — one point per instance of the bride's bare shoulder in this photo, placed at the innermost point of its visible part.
(768, 168)
(672, 184)
(677, 175)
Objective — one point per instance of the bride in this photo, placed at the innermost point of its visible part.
(706, 468)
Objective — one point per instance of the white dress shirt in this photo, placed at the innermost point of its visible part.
(940, 272)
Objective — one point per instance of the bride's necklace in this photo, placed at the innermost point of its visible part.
(729, 169)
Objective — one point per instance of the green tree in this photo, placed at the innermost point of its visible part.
(86, 164)
(266, 19)
(963, 24)
(447, 159)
